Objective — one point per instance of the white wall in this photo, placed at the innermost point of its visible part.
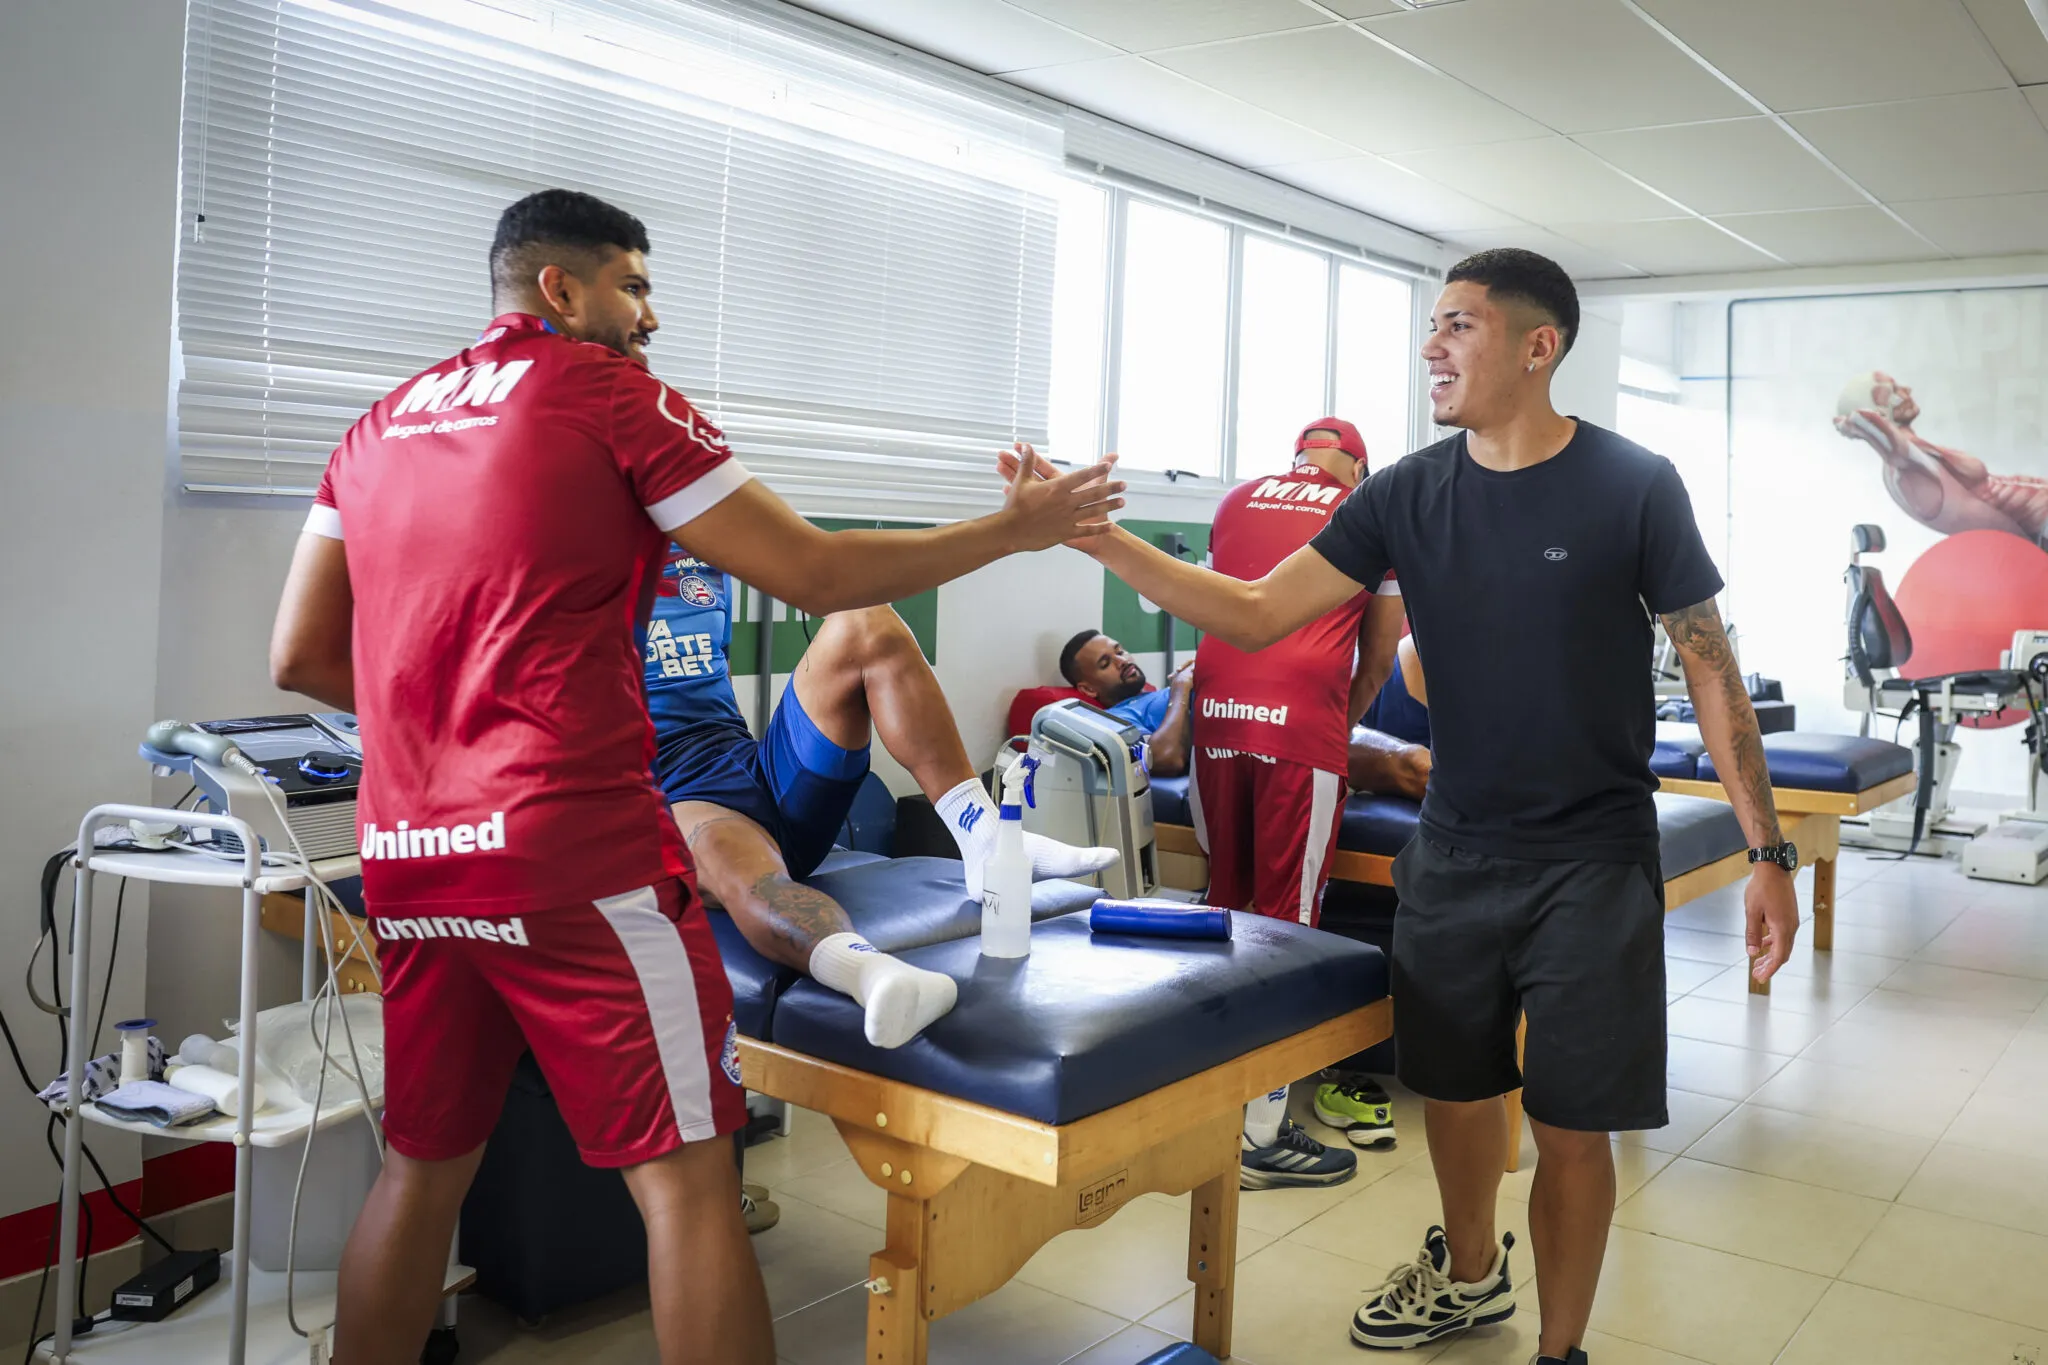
(89, 99)
(1587, 381)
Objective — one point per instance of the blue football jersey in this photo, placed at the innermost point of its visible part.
(687, 642)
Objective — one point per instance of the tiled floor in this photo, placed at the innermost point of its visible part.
(1856, 1171)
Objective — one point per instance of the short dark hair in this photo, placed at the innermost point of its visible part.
(568, 228)
(1071, 651)
(1512, 275)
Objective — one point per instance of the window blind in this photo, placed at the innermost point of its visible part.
(853, 258)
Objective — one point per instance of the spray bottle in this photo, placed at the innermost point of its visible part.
(1006, 883)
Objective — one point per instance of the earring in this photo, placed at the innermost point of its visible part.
(1532, 369)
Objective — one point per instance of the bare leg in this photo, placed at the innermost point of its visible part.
(864, 673)
(740, 869)
(1468, 1147)
(1570, 1207)
(392, 1266)
(1381, 763)
(709, 1305)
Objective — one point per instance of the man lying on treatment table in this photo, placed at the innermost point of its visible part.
(760, 815)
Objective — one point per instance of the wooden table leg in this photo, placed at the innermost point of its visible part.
(897, 1333)
(1212, 1256)
(1824, 905)
(1512, 1101)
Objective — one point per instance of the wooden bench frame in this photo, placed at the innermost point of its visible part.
(974, 1192)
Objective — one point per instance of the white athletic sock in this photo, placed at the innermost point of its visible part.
(1262, 1118)
(972, 817)
(900, 1000)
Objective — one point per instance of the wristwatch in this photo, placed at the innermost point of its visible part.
(1784, 855)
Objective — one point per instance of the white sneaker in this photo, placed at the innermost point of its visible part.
(1419, 1303)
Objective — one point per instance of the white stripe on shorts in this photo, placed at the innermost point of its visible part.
(670, 988)
(1324, 796)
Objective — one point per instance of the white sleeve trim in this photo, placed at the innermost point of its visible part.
(699, 496)
(1390, 587)
(324, 521)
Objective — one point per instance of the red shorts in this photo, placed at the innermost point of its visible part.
(624, 1002)
(1269, 827)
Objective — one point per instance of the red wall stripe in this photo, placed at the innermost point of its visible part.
(188, 1175)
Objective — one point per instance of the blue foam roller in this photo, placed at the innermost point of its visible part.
(1159, 919)
(1182, 1354)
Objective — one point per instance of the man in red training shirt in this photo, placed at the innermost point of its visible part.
(482, 549)
(1271, 743)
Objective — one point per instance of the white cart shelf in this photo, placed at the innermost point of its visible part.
(241, 1320)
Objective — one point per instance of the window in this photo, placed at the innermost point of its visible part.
(1222, 341)
(1376, 356)
(1283, 345)
(853, 264)
(1175, 310)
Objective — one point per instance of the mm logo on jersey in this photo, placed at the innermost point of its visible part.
(1296, 490)
(465, 386)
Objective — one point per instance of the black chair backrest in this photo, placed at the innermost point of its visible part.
(1878, 637)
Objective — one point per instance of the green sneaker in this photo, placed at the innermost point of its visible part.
(1360, 1108)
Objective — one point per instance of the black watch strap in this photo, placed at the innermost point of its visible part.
(1785, 855)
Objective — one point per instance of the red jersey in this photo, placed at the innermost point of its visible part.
(1288, 700)
(504, 515)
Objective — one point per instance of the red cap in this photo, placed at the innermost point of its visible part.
(1348, 439)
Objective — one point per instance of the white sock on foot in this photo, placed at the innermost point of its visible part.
(900, 1000)
(1262, 1118)
(971, 816)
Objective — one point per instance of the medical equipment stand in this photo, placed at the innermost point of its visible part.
(111, 1341)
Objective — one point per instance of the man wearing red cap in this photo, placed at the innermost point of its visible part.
(1271, 739)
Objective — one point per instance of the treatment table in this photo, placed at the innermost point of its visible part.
(1061, 1087)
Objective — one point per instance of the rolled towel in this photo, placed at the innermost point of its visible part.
(222, 1088)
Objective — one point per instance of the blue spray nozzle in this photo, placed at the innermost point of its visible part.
(1030, 780)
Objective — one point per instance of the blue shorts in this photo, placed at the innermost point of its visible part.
(793, 782)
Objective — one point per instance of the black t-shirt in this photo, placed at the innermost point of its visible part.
(1531, 595)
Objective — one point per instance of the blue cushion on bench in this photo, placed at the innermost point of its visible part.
(1678, 750)
(1377, 824)
(1694, 831)
(1828, 763)
(895, 903)
(1170, 801)
(1088, 1021)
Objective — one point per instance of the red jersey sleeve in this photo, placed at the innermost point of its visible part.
(676, 462)
(325, 517)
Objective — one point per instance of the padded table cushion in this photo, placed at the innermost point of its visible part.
(1827, 763)
(895, 903)
(1377, 824)
(1088, 1021)
(1694, 831)
(1678, 751)
(1170, 801)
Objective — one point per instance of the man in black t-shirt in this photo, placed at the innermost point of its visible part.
(1544, 546)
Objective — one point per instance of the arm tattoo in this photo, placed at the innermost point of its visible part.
(1698, 633)
(799, 916)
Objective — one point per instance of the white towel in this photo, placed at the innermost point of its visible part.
(154, 1102)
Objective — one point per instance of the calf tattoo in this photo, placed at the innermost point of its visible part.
(1698, 633)
(799, 916)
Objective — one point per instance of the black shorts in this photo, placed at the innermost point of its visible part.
(1576, 946)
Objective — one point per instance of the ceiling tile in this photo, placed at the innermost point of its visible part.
(1814, 54)
(1945, 148)
(984, 35)
(1146, 25)
(1575, 65)
(1345, 84)
(1734, 166)
(1580, 261)
(1830, 236)
(1542, 180)
(2015, 36)
(2002, 225)
(1669, 246)
(2037, 95)
(1135, 91)
(1392, 192)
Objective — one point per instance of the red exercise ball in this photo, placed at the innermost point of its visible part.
(1964, 598)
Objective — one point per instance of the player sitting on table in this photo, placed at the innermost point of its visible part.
(1389, 750)
(760, 815)
(1390, 743)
